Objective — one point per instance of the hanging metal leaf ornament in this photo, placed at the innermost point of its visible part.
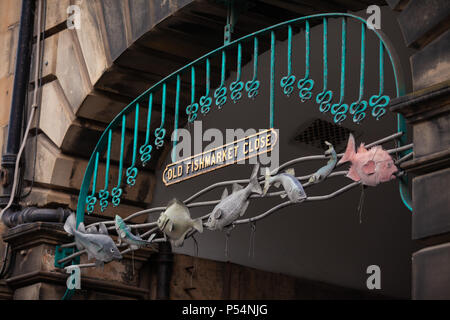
(378, 104)
(324, 100)
(160, 133)
(357, 109)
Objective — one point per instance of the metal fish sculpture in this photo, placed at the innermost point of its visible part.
(325, 171)
(134, 241)
(97, 243)
(371, 167)
(176, 222)
(234, 205)
(293, 188)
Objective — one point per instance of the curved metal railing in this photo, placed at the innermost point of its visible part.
(110, 193)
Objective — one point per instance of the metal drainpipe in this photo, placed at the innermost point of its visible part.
(13, 218)
(20, 89)
(164, 271)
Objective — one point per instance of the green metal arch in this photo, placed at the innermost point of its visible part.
(175, 76)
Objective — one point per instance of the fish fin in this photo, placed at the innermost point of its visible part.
(198, 225)
(224, 194)
(236, 187)
(179, 242)
(255, 187)
(70, 223)
(283, 195)
(175, 201)
(170, 226)
(99, 264)
(369, 167)
(244, 208)
(352, 174)
(151, 237)
(81, 227)
(349, 151)
(79, 246)
(266, 181)
(102, 228)
(92, 229)
(277, 184)
(290, 171)
(362, 148)
(218, 214)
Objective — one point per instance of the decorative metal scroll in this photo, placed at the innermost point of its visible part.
(201, 103)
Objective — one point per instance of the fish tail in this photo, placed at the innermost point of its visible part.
(349, 151)
(198, 225)
(255, 187)
(266, 181)
(69, 225)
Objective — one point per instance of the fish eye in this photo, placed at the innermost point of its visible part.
(112, 249)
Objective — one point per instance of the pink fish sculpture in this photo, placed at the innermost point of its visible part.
(371, 167)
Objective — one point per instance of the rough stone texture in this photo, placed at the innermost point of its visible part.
(422, 21)
(55, 106)
(68, 173)
(70, 69)
(431, 217)
(92, 40)
(232, 281)
(397, 5)
(115, 26)
(431, 65)
(35, 277)
(432, 136)
(140, 17)
(431, 274)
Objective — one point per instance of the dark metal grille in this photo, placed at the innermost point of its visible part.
(320, 131)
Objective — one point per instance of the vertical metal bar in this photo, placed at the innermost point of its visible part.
(358, 108)
(272, 78)
(175, 131)
(92, 199)
(252, 86)
(160, 132)
(206, 101)
(306, 85)
(116, 192)
(192, 109)
(221, 92)
(146, 149)
(237, 86)
(340, 109)
(287, 82)
(379, 102)
(324, 98)
(104, 193)
(132, 171)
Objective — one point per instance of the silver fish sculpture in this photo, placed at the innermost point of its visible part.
(176, 222)
(292, 187)
(325, 171)
(233, 206)
(134, 241)
(97, 243)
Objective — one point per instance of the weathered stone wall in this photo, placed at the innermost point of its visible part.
(426, 27)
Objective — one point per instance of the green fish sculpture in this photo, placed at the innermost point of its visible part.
(176, 222)
(134, 241)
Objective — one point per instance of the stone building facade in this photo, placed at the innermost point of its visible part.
(89, 75)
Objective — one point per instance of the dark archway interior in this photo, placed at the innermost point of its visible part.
(323, 241)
